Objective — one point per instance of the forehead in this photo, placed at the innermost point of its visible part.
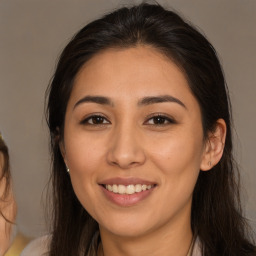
(142, 61)
(132, 72)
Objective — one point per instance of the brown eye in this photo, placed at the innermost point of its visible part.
(95, 120)
(160, 120)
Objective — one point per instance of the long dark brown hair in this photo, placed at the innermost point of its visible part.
(216, 212)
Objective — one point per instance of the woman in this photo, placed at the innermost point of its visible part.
(140, 126)
(7, 202)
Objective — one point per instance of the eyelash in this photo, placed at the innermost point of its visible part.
(160, 117)
(86, 121)
(163, 119)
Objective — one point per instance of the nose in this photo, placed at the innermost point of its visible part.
(126, 148)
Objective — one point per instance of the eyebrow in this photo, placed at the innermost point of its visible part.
(95, 99)
(143, 102)
(160, 99)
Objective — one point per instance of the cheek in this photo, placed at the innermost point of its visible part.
(176, 154)
(178, 162)
(82, 162)
(85, 159)
(82, 159)
(83, 154)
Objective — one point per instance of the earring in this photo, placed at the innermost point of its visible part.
(209, 163)
(67, 169)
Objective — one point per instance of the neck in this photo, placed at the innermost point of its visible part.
(169, 240)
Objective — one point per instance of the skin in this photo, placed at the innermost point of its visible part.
(129, 142)
(8, 209)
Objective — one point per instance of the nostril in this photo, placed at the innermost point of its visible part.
(125, 151)
(126, 160)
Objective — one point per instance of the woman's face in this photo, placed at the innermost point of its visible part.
(133, 141)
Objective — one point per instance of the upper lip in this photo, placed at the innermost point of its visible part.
(126, 181)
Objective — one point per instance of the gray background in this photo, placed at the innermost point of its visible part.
(32, 34)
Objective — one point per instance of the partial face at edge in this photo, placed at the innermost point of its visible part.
(132, 119)
(8, 209)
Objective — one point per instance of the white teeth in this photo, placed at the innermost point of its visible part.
(109, 187)
(121, 189)
(114, 188)
(138, 188)
(129, 190)
(144, 187)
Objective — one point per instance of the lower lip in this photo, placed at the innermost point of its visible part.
(126, 200)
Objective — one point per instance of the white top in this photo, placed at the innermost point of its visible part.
(40, 247)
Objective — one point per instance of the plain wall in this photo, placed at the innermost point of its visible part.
(32, 34)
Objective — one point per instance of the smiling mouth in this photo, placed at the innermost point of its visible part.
(129, 189)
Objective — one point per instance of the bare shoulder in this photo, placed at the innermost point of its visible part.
(37, 247)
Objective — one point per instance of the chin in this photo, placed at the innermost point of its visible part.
(127, 227)
(128, 232)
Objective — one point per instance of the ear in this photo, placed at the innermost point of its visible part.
(214, 146)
